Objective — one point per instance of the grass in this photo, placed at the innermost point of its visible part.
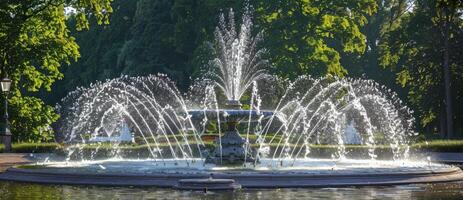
(434, 145)
(33, 147)
(173, 138)
(440, 145)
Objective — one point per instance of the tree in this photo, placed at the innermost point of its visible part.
(447, 11)
(99, 47)
(35, 43)
(168, 36)
(302, 35)
(366, 65)
(145, 37)
(419, 50)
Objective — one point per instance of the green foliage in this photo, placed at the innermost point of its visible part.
(414, 50)
(440, 146)
(35, 43)
(30, 119)
(388, 15)
(146, 37)
(433, 145)
(165, 36)
(34, 148)
(307, 36)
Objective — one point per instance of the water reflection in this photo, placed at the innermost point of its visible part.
(9, 190)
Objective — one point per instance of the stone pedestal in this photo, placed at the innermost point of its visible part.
(230, 148)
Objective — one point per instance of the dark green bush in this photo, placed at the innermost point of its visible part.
(434, 145)
(34, 148)
(440, 146)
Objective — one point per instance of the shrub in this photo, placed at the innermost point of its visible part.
(434, 145)
(34, 148)
(440, 145)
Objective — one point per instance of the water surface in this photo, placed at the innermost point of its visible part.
(10, 190)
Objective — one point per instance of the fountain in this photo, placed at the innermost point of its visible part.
(237, 127)
(237, 66)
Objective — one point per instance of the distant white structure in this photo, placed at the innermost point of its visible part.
(351, 135)
(124, 136)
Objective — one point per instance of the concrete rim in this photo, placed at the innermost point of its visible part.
(258, 180)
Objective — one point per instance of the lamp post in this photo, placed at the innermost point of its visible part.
(5, 132)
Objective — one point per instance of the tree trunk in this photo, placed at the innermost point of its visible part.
(447, 78)
(442, 123)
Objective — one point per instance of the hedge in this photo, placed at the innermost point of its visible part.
(440, 145)
(435, 146)
(34, 148)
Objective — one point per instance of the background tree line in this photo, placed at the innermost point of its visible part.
(411, 46)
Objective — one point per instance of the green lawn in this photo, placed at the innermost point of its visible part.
(434, 145)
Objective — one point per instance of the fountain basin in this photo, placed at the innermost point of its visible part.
(266, 174)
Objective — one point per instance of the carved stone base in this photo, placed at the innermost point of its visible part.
(230, 150)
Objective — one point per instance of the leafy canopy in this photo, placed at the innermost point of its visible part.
(36, 41)
(302, 35)
(414, 49)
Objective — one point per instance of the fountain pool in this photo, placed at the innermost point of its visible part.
(302, 173)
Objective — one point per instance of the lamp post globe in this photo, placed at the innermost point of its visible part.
(6, 84)
(5, 133)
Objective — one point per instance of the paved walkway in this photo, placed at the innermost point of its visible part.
(10, 159)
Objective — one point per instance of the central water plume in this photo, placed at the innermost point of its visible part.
(239, 60)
